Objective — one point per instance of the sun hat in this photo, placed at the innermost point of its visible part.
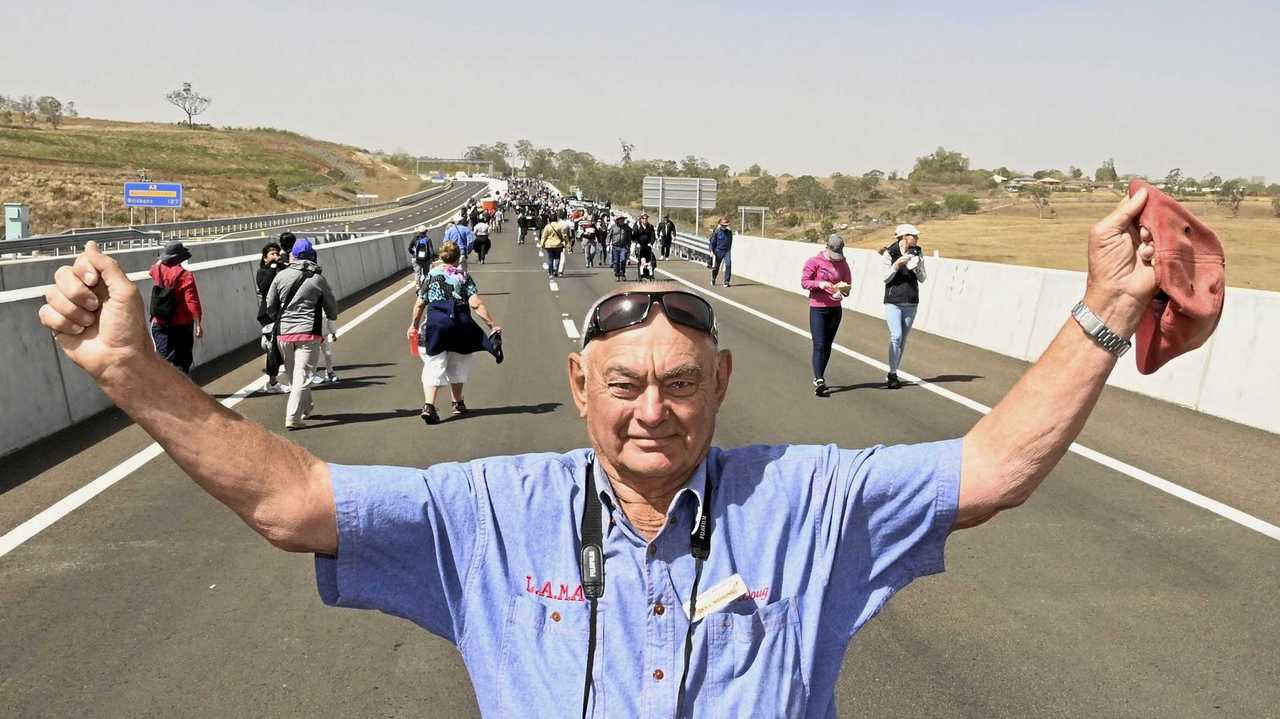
(905, 229)
(1191, 274)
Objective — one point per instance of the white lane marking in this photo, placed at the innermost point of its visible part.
(539, 253)
(1222, 510)
(554, 286)
(15, 537)
(570, 329)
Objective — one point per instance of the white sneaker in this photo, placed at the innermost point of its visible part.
(316, 380)
(277, 388)
(332, 378)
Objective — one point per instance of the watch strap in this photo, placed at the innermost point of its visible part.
(1099, 331)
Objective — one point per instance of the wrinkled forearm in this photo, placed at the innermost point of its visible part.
(278, 488)
(1011, 450)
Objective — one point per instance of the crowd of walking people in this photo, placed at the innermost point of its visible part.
(297, 309)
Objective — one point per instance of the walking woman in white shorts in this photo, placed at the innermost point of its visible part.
(447, 335)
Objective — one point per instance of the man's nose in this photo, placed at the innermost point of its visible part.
(653, 406)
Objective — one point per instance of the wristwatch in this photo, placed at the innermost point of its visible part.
(1102, 334)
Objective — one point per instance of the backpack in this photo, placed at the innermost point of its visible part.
(164, 300)
(423, 252)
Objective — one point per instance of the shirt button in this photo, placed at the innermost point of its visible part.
(658, 675)
(555, 616)
(659, 610)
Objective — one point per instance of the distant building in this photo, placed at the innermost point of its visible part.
(999, 179)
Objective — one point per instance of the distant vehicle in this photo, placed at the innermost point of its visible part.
(460, 175)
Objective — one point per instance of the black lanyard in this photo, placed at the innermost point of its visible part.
(591, 566)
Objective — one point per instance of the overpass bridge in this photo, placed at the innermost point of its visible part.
(1108, 594)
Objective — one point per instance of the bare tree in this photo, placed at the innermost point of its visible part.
(189, 101)
(70, 110)
(627, 147)
(50, 109)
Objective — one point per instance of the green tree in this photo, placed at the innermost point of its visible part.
(805, 191)
(1275, 205)
(524, 150)
(753, 171)
(1106, 173)
(1173, 180)
(940, 163)
(1039, 194)
(1231, 195)
(50, 109)
(1075, 172)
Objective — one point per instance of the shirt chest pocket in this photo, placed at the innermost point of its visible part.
(754, 662)
(544, 655)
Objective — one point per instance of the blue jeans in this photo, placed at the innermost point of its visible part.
(899, 318)
(620, 261)
(722, 258)
(823, 324)
(553, 259)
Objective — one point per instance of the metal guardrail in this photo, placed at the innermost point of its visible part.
(119, 238)
(691, 247)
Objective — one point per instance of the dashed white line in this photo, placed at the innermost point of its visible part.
(1222, 510)
(554, 286)
(570, 329)
(15, 537)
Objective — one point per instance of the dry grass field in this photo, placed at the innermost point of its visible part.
(1015, 235)
(67, 175)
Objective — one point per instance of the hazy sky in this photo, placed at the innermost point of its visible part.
(798, 87)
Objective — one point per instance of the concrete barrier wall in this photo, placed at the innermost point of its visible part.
(42, 392)
(1016, 311)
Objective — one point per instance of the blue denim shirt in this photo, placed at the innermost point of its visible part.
(484, 554)
(462, 236)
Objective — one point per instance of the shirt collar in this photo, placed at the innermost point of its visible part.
(696, 486)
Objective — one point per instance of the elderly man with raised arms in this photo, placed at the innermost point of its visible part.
(662, 575)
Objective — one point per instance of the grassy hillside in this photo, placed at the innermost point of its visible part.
(66, 174)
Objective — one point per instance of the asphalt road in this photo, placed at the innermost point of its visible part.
(1101, 597)
(400, 219)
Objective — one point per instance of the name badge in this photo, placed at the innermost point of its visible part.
(718, 597)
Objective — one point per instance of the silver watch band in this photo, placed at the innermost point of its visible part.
(1095, 328)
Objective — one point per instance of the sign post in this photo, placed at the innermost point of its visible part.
(154, 195)
(680, 193)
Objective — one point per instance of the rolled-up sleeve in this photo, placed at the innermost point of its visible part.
(890, 512)
(406, 538)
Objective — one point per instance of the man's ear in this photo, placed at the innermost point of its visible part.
(578, 381)
(724, 369)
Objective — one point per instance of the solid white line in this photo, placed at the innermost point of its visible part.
(1222, 510)
(570, 329)
(15, 537)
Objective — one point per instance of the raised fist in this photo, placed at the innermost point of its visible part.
(96, 313)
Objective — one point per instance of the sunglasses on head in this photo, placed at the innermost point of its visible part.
(632, 308)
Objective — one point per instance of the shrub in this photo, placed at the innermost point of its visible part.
(273, 190)
(957, 202)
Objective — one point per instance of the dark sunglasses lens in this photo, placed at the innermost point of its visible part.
(689, 310)
(621, 311)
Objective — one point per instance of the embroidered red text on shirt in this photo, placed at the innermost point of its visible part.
(546, 590)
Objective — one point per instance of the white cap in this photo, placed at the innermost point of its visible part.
(906, 230)
(420, 228)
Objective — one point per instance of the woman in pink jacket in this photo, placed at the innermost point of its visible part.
(827, 277)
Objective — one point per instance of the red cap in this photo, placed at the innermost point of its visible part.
(1191, 274)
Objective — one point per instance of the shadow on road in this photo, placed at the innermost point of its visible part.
(542, 408)
(948, 378)
(317, 421)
